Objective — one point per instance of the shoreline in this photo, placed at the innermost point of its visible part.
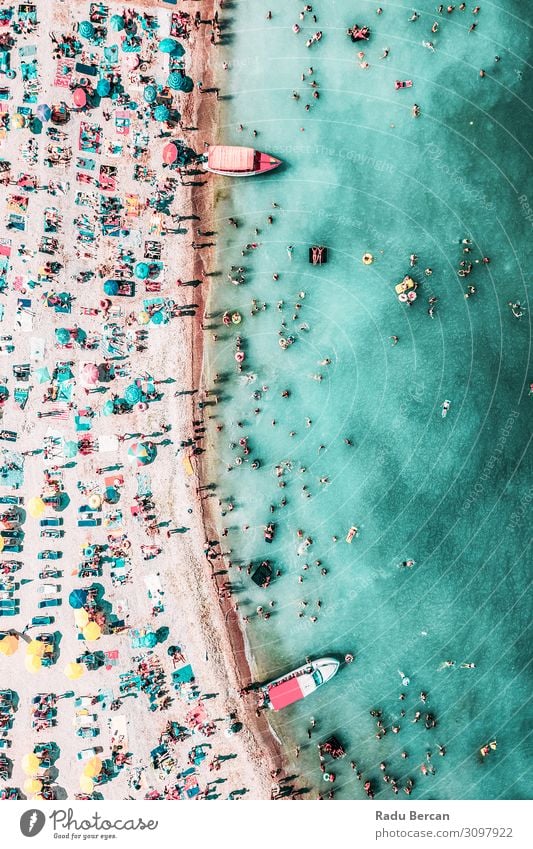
(207, 113)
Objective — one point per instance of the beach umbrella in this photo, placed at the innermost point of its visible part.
(36, 507)
(143, 317)
(62, 335)
(86, 29)
(2, 543)
(103, 87)
(44, 112)
(79, 97)
(111, 287)
(180, 82)
(30, 763)
(169, 45)
(161, 113)
(111, 495)
(9, 645)
(33, 785)
(150, 93)
(70, 448)
(150, 641)
(93, 767)
(142, 269)
(86, 784)
(143, 453)
(158, 317)
(108, 409)
(92, 631)
(81, 617)
(170, 153)
(95, 501)
(36, 648)
(74, 670)
(89, 373)
(36, 126)
(77, 598)
(117, 23)
(133, 394)
(17, 121)
(33, 663)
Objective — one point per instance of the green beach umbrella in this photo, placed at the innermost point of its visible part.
(103, 87)
(171, 46)
(111, 495)
(86, 29)
(111, 287)
(158, 317)
(117, 23)
(62, 335)
(142, 269)
(161, 113)
(180, 82)
(150, 93)
(70, 448)
(133, 394)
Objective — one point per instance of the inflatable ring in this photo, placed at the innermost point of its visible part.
(284, 343)
(226, 319)
(411, 296)
(368, 259)
(348, 658)
(239, 356)
(403, 298)
(326, 777)
(126, 544)
(238, 461)
(236, 318)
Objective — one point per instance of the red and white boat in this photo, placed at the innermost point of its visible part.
(232, 161)
(300, 683)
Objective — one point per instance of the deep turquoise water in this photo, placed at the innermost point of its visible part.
(454, 494)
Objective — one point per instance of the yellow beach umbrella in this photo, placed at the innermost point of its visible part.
(95, 501)
(36, 647)
(33, 785)
(2, 543)
(30, 763)
(33, 662)
(9, 645)
(81, 617)
(36, 507)
(93, 767)
(92, 631)
(17, 121)
(86, 784)
(74, 670)
(143, 317)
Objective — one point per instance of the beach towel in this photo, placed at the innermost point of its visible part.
(64, 68)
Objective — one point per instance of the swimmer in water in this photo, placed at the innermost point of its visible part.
(447, 664)
(468, 666)
(290, 249)
(385, 53)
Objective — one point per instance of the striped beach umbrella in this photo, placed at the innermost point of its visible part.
(150, 93)
(86, 29)
(161, 113)
(143, 453)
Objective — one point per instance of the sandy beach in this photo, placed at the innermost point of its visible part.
(177, 579)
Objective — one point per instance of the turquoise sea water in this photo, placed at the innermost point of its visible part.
(452, 493)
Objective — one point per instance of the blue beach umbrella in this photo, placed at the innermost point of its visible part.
(77, 598)
(108, 408)
(150, 93)
(62, 335)
(142, 269)
(133, 394)
(103, 87)
(70, 448)
(150, 640)
(111, 287)
(158, 317)
(161, 113)
(117, 23)
(44, 112)
(86, 29)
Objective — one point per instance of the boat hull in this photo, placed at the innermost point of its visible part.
(231, 161)
(300, 683)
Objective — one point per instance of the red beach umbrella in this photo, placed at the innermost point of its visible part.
(79, 97)
(89, 373)
(170, 153)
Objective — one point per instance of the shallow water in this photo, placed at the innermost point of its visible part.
(453, 494)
